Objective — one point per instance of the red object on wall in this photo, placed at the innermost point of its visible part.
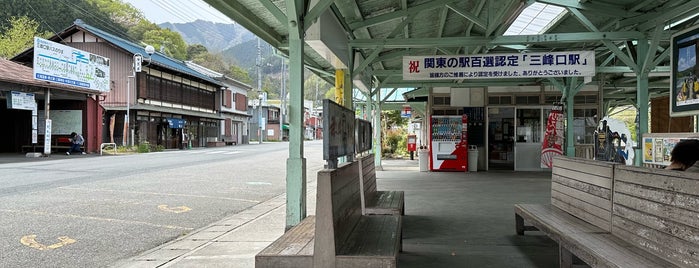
(412, 139)
(448, 139)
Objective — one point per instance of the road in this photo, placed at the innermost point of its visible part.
(94, 211)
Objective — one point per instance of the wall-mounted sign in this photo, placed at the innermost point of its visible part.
(338, 131)
(489, 66)
(175, 122)
(684, 90)
(62, 64)
(364, 135)
(21, 101)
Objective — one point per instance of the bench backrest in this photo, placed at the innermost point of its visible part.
(369, 177)
(338, 210)
(583, 188)
(658, 210)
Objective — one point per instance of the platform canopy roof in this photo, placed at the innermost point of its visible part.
(383, 31)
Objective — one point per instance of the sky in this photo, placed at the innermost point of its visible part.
(178, 11)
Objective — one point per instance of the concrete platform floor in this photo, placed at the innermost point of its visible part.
(456, 219)
(453, 219)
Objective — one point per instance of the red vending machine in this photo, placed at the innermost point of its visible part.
(448, 140)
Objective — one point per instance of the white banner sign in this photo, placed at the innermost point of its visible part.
(496, 66)
(59, 63)
(21, 101)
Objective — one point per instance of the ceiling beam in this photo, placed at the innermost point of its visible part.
(658, 17)
(399, 14)
(313, 14)
(607, 10)
(469, 16)
(278, 14)
(499, 40)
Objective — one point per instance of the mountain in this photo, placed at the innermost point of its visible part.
(216, 37)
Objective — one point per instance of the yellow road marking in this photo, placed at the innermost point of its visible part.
(179, 209)
(163, 194)
(41, 213)
(30, 241)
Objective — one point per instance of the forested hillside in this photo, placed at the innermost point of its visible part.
(21, 20)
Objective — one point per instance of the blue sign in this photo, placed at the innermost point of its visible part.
(175, 122)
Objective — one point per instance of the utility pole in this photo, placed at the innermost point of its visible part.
(315, 114)
(259, 89)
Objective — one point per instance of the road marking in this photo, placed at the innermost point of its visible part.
(231, 153)
(258, 183)
(179, 209)
(30, 241)
(215, 152)
(41, 213)
(165, 194)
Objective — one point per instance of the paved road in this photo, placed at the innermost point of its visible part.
(95, 211)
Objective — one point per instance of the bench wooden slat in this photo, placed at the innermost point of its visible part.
(592, 189)
(386, 203)
(602, 221)
(607, 250)
(379, 202)
(293, 249)
(592, 167)
(602, 203)
(682, 182)
(583, 176)
(595, 246)
(343, 236)
(676, 199)
(656, 210)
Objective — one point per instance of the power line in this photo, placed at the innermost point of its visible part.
(173, 11)
(207, 9)
(106, 24)
(43, 20)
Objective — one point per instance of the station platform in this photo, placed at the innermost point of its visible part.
(452, 219)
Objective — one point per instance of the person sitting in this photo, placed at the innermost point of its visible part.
(76, 140)
(684, 155)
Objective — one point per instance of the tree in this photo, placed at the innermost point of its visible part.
(240, 74)
(315, 89)
(168, 42)
(18, 36)
(196, 51)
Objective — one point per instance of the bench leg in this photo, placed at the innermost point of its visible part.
(519, 224)
(520, 227)
(565, 258)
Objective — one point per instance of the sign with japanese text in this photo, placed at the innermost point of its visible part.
(21, 101)
(338, 131)
(364, 135)
(57, 63)
(494, 66)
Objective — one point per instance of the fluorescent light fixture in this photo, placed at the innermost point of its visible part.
(537, 18)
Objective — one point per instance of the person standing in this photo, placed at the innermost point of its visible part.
(76, 140)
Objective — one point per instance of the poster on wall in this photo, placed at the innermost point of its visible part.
(553, 137)
(657, 147)
(64, 121)
(684, 98)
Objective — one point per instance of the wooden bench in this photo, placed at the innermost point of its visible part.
(339, 235)
(598, 214)
(379, 202)
(58, 143)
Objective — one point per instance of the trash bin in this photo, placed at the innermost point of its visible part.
(424, 159)
(472, 158)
